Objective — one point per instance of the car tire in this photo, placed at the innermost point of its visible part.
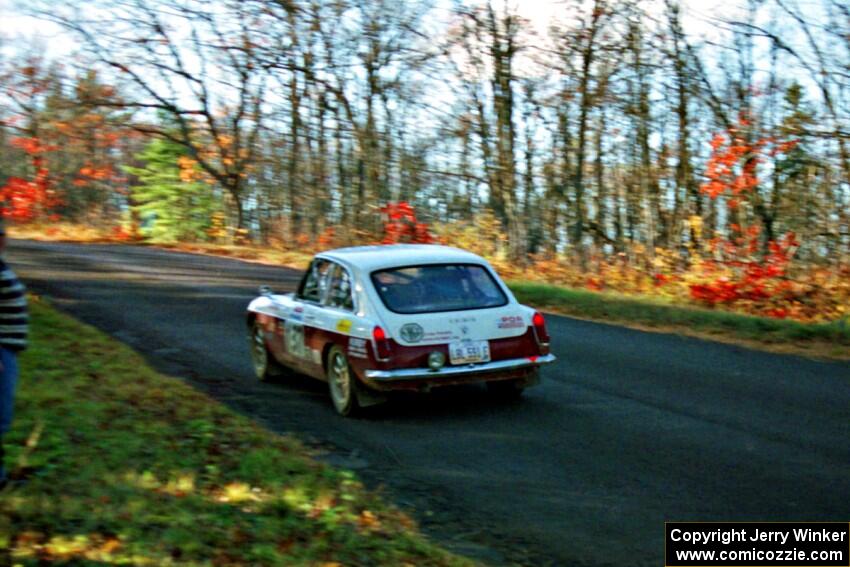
(506, 389)
(265, 365)
(342, 383)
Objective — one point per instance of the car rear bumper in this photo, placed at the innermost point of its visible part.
(496, 370)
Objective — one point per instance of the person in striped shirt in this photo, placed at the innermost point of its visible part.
(14, 325)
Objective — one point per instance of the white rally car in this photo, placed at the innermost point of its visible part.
(373, 319)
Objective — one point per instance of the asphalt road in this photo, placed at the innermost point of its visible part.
(627, 430)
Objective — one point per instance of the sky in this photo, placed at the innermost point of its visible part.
(541, 13)
(699, 18)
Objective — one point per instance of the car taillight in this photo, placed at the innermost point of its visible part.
(540, 329)
(382, 344)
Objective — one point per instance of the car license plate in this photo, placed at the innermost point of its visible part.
(468, 352)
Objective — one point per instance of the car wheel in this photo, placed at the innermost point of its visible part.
(265, 366)
(341, 382)
(506, 389)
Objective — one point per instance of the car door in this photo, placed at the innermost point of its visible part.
(332, 319)
(300, 325)
(338, 313)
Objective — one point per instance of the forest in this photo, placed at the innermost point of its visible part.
(700, 155)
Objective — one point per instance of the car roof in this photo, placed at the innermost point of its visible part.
(370, 258)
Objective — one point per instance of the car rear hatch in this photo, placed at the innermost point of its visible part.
(459, 305)
(424, 329)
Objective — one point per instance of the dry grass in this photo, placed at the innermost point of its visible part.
(62, 232)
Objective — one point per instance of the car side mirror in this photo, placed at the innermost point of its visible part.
(265, 291)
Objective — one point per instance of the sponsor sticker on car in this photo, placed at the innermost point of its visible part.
(357, 348)
(511, 322)
(412, 332)
(439, 335)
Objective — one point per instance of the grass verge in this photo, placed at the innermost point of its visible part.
(826, 340)
(127, 466)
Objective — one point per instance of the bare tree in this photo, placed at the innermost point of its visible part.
(583, 43)
(192, 63)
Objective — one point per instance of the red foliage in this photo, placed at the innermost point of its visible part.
(778, 313)
(401, 225)
(719, 291)
(732, 166)
(660, 279)
(594, 284)
(20, 199)
(24, 200)
(327, 239)
(32, 146)
(96, 172)
(759, 279)
(120, 233)
(302, 241)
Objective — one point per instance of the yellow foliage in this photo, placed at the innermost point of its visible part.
(368, 521)
(236, 492)
(483, 235)
(224, 141)
(188, 169)
(218, 226)
(695, 222)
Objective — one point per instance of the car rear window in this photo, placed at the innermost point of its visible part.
(435, 288)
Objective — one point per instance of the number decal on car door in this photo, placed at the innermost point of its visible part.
(294, 334)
